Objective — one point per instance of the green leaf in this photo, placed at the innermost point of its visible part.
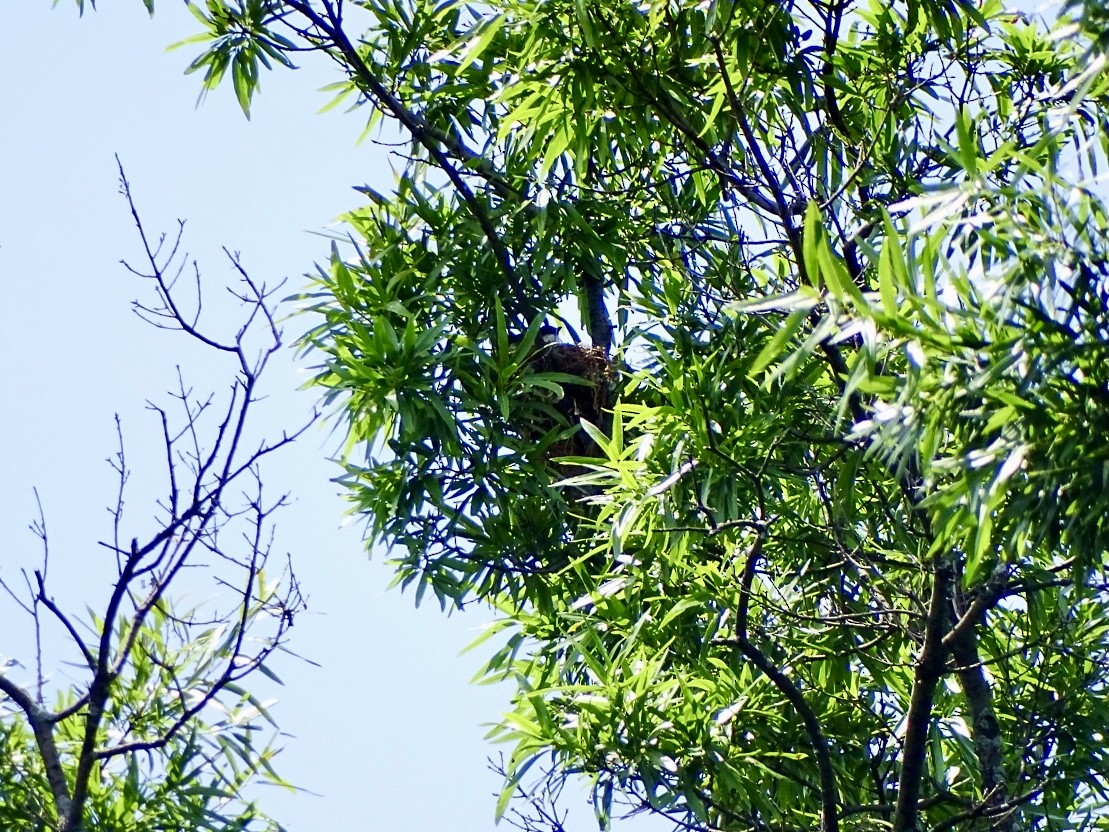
(806, 298)
(812, 235)
(775, 347)
(489, 30)
(968, 142)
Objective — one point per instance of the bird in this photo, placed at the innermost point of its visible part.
(548, 335)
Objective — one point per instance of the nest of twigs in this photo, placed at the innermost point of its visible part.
(590, 400)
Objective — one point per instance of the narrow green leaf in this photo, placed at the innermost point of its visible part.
(812, 234)
(806, 297)
(774, 347)
(968, 142)
(488, 32)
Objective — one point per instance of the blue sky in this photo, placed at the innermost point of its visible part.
(387, 730)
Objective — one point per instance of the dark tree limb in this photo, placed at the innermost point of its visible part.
(930, 668)
(445, 150)
(985, 732)
(42, 726)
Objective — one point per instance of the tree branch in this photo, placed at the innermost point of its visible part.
(439, 145)
(829, 800)
(929, 670)
(42, 725)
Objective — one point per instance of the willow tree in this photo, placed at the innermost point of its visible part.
(801, 521)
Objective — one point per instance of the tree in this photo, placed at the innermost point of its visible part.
(803, 524)
(159, 729)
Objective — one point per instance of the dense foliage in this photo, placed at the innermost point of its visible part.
(810, 529)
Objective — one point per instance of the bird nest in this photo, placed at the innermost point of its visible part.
(590, 399)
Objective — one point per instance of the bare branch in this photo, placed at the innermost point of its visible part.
(205, 454)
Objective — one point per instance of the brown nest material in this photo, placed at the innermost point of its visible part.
(591, 399)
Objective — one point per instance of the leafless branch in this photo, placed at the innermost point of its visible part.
(214, 484)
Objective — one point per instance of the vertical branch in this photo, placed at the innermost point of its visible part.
(99, 690)
(39, 529)
(929, 670)
(597, 322)
(984, 729)
(962, 641)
